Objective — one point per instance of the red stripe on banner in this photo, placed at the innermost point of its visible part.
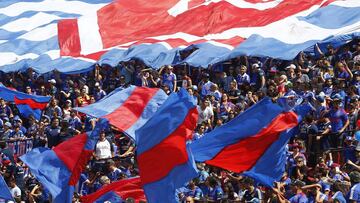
(175, 42)
(70, 151)
(158, 162)
(95, 56)
(31, 103)
(80, 166)
(204, 20)
(327, 3)
(130, 111)
(124, 188)
(244, 154)
(259, 1)
(235, 41)
(68, 36)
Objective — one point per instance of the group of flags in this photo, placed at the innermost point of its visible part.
(253, 143)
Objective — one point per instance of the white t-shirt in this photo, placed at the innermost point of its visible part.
(15, 192)
(103, 149)
(205, 114)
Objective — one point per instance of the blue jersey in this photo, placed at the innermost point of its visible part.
(168, 80)
(299, 198)
(115, 175)
(337, 119)
(216, 193)
(339, 197)
(354, 193)
(196, 193)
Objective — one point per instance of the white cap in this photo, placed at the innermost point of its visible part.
(52, 81)
(291, 66)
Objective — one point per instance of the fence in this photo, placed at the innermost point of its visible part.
(20, 147)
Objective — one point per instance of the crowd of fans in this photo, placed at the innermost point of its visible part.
(323, 163)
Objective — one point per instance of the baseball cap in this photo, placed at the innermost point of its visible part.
(8, 124)
(104, 179)
(336, 97)
(52, 81)
(255, 65)
(298, 183)
(205, 75)
(291, 66)
(97, 84)
(349, 138)
(320, 98)
(273, 69)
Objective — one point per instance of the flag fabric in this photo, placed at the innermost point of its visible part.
(70, 36)
(252, 143)
(5, 193)
(117, 192)
(127, 109)
(26, 103)
(29, 33)
(59, 169)
(165, 162)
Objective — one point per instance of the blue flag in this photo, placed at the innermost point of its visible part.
(5, 193)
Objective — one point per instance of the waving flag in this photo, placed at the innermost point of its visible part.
(127, 109)
(165, 162)
(27, 104)
(36, 33)
(5, 193)
(252, 143)
(117, 192)
(59, 169)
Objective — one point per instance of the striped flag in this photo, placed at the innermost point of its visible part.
(127, 109)
(71, 35)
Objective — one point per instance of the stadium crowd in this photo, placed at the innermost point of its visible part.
(323, 163)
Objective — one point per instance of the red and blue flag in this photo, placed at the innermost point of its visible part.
(59, 169)
(253, 143)
(127, 109)
(117, 192)
(71, 36)
(26, 103)
(165, 162)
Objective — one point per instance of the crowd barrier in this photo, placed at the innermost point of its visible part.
(20, 147)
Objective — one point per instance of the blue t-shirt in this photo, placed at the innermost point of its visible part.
(354, 193)
(196, 193)
(339, 197)
(168, 80)
(299, 198)
(216, 193)
(115, 175)
(337, 119)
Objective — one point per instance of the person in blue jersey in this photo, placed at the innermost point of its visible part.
(316, 196)
(298, 195)
(114, 173)
(339, 121)
(339, 189)
(252, 193)
(216, 192)
(354, 193)
(194, 191)
(169, 79)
